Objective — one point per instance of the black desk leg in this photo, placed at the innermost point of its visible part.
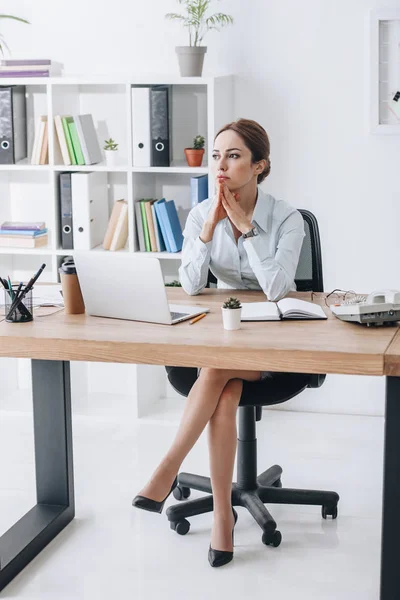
(390, 572)
(54, 470)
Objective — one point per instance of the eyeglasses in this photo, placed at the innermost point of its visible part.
(338, 296)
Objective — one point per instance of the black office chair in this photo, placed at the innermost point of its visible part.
(249, 490)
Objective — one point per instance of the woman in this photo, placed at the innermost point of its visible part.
(248, 240)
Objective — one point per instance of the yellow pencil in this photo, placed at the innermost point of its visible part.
(197, 318)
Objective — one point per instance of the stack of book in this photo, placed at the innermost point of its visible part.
(158, 226)
(78, 140)
(29, 67)
(23, 234)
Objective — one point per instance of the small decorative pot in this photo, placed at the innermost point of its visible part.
(111, 157)
(194, 157)
(191, 59)
(231, 318)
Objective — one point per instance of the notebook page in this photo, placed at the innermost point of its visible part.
(297, 309)
(259, 311)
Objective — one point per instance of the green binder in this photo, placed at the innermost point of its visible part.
(75, 141)
(145, 227)
(67, 134)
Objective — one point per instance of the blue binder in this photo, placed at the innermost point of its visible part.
(198, 189)
(172, 226)
(160, 218)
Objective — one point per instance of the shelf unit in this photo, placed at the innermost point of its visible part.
(30, 192)
(385, 69)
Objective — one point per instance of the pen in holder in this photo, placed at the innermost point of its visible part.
(18, 311)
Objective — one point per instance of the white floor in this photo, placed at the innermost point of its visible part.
(113, 551)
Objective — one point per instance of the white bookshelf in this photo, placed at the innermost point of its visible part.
(30, 192)
(385, 69)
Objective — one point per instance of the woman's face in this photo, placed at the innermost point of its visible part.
(231, 161)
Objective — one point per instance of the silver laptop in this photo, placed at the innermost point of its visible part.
(122, 286)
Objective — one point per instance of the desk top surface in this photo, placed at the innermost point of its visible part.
(330, 346)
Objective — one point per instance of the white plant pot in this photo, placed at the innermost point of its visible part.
(111, 157)
(191, 59)
(231, 318)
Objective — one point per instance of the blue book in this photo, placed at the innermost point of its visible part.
(160, 219)
(173, 227)
(198, 189)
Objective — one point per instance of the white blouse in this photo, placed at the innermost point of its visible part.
(267, 261)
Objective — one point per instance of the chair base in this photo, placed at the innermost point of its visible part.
(268, 489)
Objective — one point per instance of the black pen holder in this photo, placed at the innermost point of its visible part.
(23, 310)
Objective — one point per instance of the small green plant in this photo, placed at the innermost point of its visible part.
(110, 145)
(2, 40)
(232, 303)
(198, 142)
(174, 283)
(196, 19)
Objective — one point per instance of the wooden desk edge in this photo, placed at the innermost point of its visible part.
(169, 354)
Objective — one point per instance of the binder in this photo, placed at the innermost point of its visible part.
(170, 223)
(88, 139)
(141, 140)
(145, 225)
(38, 141)
(159, 126)
(198, 189)
(157, 231)
(65, 121)
(112, 223)
(174, 228)
(150, 226)
(139, 227)
(13, 136)
(75, 141)
(160, 219)
(65, 200)
(89, 209)
(121, 231)
(61, 140)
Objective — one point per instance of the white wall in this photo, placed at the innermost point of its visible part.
(302, 70)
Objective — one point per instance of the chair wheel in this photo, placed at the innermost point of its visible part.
(181, 492)
(181, 527)
(332, 511)
(277, 483)
(272, 539)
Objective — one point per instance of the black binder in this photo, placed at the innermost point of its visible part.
(65, 197)
(160, 126)
(13, 142)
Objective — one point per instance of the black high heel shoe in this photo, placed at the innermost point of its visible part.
(153, 505)
(218, 558)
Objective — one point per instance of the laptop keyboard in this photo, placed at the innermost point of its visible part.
(178, 315)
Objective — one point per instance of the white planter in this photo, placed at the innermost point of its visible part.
(231, 318)
(111, 157)
(191, 60)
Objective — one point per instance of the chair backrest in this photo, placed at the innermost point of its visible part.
(308, 276)
(309, 270)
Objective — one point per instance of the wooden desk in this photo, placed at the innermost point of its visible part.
(310, 347)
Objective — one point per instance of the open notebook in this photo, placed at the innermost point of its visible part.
(287, 308)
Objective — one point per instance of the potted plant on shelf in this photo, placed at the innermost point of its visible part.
(194, 155)
(191, 57)
(231, 313)
(111, 152)
(2, 40)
